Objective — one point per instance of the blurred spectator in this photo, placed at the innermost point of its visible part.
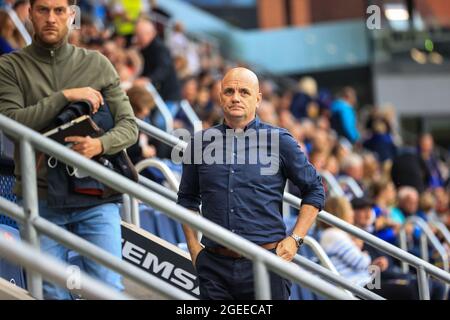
(332, 165)
(409, 170)
(408, 204)
(142, 102)
(7, 4)
(125, 14)
(384, 195)
(442, 205)
(161, 18)
(267, 113)
(184, 52)
(352, 166)
(158, 68)
(304, 102)
(343, 115)
(380, 140)
(394, 283)
(344, 251)
(427, 205)
(22, 9)
(426, 153)
(371, 169)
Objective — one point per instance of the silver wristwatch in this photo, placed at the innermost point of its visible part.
(298, 239)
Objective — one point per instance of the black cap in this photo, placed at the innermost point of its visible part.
(361, 203)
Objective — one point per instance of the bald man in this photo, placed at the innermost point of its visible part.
(241, 195)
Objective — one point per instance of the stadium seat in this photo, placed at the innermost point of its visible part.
(165, 227)
(9, 271)
(159, 224)
(179, 232)
(147, 217)
(6, 191)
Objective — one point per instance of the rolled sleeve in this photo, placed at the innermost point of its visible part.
(297, 168)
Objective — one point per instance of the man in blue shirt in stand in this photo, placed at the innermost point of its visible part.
(343, 115)
(244, 192)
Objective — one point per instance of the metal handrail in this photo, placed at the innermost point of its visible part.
(353, 185)
(32, 223)
(320, 253)
(422, 266)
(161, 135)
(133, 209)
(427, 234)
(19, 25)
(329, 272)
(347, 286)
(56, 271)
(322, 256)
(442, 228)
(162, 106)
(90, 251)
(158, 164)
(262, 259)
(333, 183)
(191, 115)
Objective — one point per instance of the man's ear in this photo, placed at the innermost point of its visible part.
(220, 95)
(259, 99)
(29, 14)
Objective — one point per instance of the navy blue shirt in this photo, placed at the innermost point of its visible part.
(239, 195)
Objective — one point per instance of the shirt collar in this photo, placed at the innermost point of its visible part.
(251, 125)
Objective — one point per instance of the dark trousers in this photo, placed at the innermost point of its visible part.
(225, 278)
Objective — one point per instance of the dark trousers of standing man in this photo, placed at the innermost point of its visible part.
(223, 277)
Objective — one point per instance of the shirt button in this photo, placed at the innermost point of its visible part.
(232, 210)
(231, 190)
(234, 231)
(232, 171)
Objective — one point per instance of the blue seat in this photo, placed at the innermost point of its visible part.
(6, 191)
(179, 232)
(9, 271)
(161, 225)
(165, 227)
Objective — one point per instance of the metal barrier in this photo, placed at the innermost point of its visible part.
(262, 259)
(423, 267)
(162, 107)
(20, 27)
(322, 256)
(168, 174)
(87, 249)
(442, 229)
(191, 115)
(56, 271)
(336, 189)
(328, 272)
(427, 234)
